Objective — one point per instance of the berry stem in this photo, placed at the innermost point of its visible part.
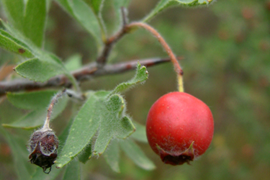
(55, 99)
(50, 108)
(167, 48)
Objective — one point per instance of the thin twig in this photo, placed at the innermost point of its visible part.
(102, 59)
(124, 16)
(82, 74)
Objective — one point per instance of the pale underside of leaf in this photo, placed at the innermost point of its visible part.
(112, 155)
(140, 133)
(134, 152)
(74, 62)
(37, 117)
(19, 154)
(31, 100)
(164, 4)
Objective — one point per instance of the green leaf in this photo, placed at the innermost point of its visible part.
(140, 77)
(165, 4)
(97, 5)
(134, 152)
(40, 175)
(22, 166)
(140, 133)
(14, 45)
(112, 155)
(63, 136)
(86, 154)
(39, 70)
(31, 100)
(73, 171)
(14, 10)
(85, 16)
(82, 130)
(28, 17)
(73, 63)
(112, 124)
(34, 21)
(36, 117)
(102, 113)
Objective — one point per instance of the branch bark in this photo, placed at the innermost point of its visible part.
(83, 74)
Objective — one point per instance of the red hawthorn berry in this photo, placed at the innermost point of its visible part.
(179, 127)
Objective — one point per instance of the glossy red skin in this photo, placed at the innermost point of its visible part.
(176, 120)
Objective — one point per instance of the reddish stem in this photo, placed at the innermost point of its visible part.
(167, 48)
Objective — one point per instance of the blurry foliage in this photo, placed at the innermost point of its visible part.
(227, 65)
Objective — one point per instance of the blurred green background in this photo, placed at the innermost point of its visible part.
(226, 49)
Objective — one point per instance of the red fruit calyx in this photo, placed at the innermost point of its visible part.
(179, 128)
(177, 158)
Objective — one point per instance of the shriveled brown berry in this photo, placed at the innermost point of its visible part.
(43, 146)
